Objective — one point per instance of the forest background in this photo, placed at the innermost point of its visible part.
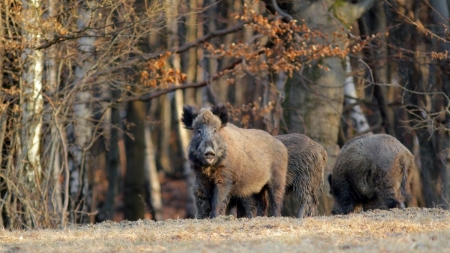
(91, 94)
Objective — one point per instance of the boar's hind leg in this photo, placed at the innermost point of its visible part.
(276, 193)
(261, 200)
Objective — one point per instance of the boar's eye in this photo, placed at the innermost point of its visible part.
(215, 130)
(199, 131)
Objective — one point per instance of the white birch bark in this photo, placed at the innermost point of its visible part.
(82, 111)
(356, 115)
(152, 175)
(81, 132)
(32, 86)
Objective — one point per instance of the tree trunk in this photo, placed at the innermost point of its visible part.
(212, 63)
(165, 130)
(377, 74)
(201, 60)
(152, 180)
(315, 97)
(191, 73)
(357, 117)
(81, 133)
(32, 100)
(54, 164)
(134, 181)
(2, 47)
(113, 161)
(183, 138)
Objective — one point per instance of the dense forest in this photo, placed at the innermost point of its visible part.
(91, 93)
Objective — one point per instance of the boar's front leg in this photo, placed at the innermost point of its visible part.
(220, 198)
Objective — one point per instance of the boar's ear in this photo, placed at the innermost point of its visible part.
(188, 116)
(221, 111)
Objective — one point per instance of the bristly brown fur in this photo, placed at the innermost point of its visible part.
(306, 165)
(244, 161)
(374, 170)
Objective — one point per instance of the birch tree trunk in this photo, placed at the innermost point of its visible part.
(154, 187)
(31, 100)
(358, 120)
(81, 132)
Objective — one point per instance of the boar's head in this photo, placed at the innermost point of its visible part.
(207, 147)
(343, 203)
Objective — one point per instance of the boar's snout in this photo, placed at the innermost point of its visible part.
(209, 155)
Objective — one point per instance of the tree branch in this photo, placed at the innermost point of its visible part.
(192, 85)
(273, 7)
(158, 93)
(178, 50)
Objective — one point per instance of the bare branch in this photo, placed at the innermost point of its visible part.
(280, 11)
(178, 50)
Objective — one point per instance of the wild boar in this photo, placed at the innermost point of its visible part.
(233, 162)
(372, 170)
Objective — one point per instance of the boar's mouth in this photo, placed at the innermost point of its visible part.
(209, 155)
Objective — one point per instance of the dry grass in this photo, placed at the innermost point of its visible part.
(410, 230)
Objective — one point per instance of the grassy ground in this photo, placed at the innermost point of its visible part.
(409, 230)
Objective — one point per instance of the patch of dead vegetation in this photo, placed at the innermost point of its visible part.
(409, 230)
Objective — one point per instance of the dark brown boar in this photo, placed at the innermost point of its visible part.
(306, 164)
(373, 170)
(233, 162)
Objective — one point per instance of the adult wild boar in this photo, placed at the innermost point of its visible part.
(231, 161)
(374, 170)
